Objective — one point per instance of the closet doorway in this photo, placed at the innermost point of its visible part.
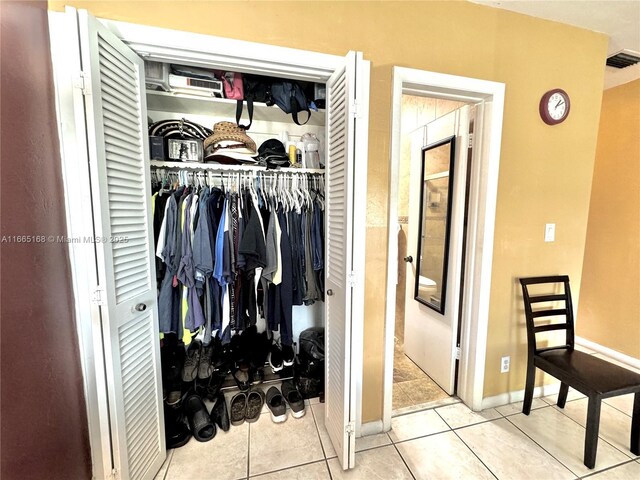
(473, 106)
(103, 112)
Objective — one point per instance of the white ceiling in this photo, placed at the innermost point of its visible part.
(619, 19)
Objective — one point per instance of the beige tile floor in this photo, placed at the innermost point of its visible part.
(411, 386)
(445, 442)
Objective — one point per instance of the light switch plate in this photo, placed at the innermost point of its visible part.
(550, 232)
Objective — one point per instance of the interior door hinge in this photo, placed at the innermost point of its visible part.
(97, 296)
(354, 110)
(81, 81)
(351, 279)
(350, 428)
(471, 140)
(457, 353)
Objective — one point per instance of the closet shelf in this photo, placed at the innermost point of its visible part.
(218, 167)
(222, 107)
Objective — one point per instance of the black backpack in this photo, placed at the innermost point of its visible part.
(290, 97)
(312, 343)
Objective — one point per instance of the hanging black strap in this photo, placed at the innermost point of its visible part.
(295, 108)
(239, 107)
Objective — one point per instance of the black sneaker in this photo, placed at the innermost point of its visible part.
(277, 405)
(191, 362)
(275, 358)
(220, 414)
(287, 355)
(205, 367)
(294, 399)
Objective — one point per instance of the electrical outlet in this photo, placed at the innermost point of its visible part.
(504, 364)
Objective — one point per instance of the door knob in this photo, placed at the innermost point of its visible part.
(141, 307)
(408, 259)
(329, 292)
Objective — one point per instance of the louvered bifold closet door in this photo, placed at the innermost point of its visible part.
(346, 130)
(118, 152)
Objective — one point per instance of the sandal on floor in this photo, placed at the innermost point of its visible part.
(255, 401)
(238, 409)
(199, 422)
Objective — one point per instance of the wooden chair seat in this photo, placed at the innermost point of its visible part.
(590, 375)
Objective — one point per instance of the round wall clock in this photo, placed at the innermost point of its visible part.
(554, 106)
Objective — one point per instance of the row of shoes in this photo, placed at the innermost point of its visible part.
(244, 356)
(202, 423)
(192, 418)
(248, 405)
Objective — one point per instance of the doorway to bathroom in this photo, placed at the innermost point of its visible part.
(433, 324)
(433, 184)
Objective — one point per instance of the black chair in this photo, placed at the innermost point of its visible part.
(590, 375)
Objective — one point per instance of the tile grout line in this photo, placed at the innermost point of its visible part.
(474, 453)
(544, 449)
(600, 437)
(315, 422)
(403, 461)
(591, 474)
(464, 443)
(166, 472)
(616, 408)
(324, 454)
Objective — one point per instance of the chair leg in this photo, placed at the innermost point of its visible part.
(635, 425)
(562, 395)
(591, 436)
(528, 388)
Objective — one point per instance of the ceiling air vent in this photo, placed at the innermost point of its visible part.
(623, 59)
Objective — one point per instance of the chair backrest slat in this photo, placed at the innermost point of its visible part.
(557, 347)
(548, 328)
(549, 313)
(531, 315)
(546, 298)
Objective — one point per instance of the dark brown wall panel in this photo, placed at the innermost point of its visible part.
(44, 424)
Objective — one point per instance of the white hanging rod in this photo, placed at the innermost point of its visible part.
(217, 167)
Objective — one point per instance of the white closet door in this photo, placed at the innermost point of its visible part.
(118, 152)
(347, 105)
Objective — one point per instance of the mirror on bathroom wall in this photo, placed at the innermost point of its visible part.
(435, 220)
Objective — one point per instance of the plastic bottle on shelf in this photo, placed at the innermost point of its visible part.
(311, 148)
(299, 150)
(291, 149)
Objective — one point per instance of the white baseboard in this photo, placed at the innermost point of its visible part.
(613, 354)
(518, 396)
(371, 428)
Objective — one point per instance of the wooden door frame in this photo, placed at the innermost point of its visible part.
(482, 210)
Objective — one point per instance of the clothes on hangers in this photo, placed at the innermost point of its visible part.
(229, 255)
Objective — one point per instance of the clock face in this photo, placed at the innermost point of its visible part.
(554, 106)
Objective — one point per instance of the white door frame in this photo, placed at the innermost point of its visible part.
(481, 221)
(162, 44)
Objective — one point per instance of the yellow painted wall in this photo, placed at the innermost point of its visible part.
(609, 309)
(545, 172)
